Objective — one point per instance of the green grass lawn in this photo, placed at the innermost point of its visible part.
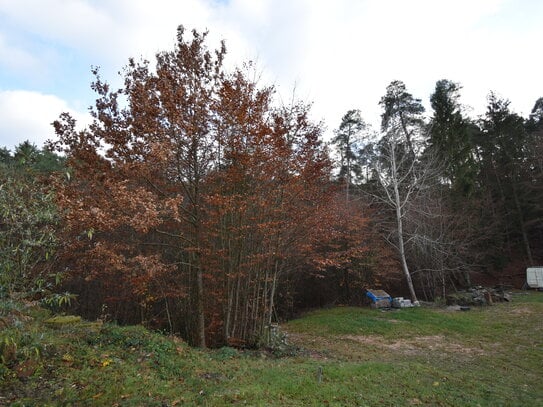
(491, 356)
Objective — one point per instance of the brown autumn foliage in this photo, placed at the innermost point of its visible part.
(194, 199)
(350, 257)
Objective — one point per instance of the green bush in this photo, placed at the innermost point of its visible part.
(28, 224)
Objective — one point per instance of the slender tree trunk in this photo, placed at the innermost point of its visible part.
(401, 249)
(272, 293)
(399, 222)
(347, 184)
(201, 339)
(348, 180)
(200, 308)
(522, 228)
(505, 214)
(347, 288)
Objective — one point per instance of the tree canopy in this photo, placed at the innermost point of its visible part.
(195, 196)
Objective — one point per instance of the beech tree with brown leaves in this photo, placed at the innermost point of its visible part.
(193, 195)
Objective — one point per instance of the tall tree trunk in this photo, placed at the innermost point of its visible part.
(399, 223)
(200, 309)
(272, 293)
(401, 250)
(348, 180)
(196, 271)
(522, 228)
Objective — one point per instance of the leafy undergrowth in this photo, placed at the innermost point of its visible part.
(352, 357)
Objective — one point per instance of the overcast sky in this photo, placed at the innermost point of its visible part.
(338, 54)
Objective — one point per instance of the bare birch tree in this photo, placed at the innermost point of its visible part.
(400, 175)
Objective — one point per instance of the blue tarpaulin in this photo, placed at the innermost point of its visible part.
(379, 297)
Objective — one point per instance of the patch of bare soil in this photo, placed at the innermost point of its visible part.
(317, 347)
(324, 348)
(522, 311)
(416, 345)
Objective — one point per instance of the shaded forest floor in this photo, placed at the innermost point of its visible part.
(343, 356)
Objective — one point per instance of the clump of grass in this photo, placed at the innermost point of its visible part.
(62, 320)
(400, 323)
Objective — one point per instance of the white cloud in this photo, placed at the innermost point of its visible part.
(28, 115)
(16, 59)
(108, 31)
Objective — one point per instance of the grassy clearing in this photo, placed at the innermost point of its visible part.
(427, 356)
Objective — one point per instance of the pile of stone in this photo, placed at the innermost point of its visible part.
(478, 296)
(400, 302)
